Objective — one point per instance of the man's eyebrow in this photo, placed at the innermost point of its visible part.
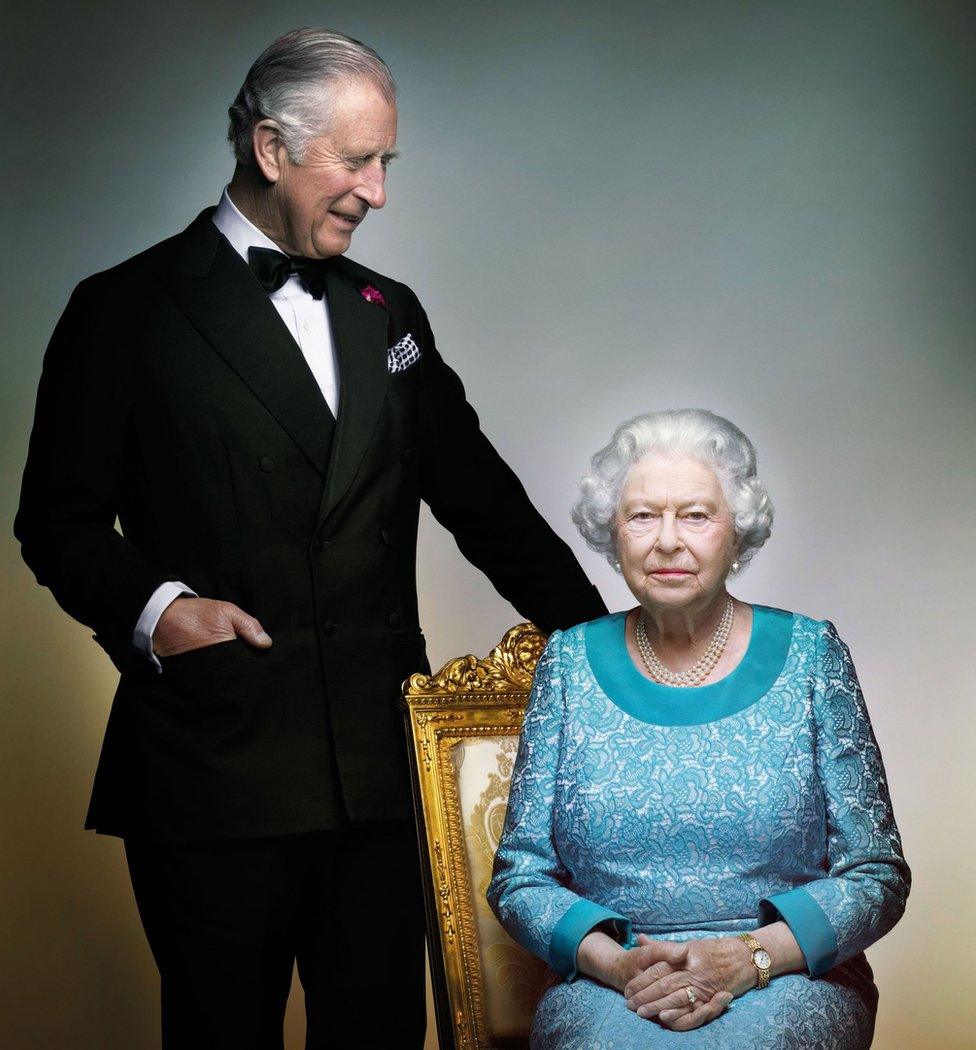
(386, 156)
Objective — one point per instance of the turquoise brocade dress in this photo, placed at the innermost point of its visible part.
(700, 812)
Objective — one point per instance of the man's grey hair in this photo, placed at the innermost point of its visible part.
(294, 81)
(694, 432)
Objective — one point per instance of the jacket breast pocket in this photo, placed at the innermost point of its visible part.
(405, 382)
(400, 417)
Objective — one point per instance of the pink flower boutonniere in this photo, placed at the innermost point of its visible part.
(372, 295)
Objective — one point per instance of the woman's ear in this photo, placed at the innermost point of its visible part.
(734, 566)
(267, 144)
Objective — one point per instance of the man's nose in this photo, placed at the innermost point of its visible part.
(372, 186)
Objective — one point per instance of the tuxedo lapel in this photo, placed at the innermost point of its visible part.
(359, 332)
(223, 300)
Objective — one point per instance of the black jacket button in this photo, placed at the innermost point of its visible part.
(385, 536)
(394, 620)
(266, 463)
(406, 455)
(318, 545)
(328, 628)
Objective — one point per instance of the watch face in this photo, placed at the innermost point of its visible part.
(761, 958)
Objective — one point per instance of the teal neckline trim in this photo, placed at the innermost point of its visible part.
(666, 705)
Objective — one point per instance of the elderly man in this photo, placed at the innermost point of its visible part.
(263, 417)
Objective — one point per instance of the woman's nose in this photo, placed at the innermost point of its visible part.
(667, 537)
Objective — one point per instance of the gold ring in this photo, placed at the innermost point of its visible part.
(690, 992)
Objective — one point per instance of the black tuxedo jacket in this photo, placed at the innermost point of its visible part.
(174, 399)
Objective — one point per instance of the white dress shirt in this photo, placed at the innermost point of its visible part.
(307, 319)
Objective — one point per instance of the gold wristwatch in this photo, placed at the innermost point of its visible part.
(760, 958)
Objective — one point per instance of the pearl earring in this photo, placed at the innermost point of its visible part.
(735, 566)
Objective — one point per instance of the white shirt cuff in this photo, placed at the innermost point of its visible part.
(162, 597)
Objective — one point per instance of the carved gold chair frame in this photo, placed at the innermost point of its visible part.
(485, 986)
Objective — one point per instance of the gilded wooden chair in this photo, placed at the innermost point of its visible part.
(463, 725)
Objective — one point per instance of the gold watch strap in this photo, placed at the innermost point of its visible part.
(754, 946)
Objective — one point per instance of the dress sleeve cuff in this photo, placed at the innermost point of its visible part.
(808, 924)
(577, 922)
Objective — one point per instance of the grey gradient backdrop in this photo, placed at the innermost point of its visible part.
(761, 208)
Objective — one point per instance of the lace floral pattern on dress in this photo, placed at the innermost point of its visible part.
(684, 829)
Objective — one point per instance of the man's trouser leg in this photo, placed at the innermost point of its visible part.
(227, 919)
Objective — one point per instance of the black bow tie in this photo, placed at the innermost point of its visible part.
(273, 268)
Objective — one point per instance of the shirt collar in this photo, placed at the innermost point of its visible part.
(243, 234)
(239, 230)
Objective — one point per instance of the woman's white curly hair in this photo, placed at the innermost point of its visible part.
(696, 432)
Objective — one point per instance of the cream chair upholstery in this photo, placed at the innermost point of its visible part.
(463, 725)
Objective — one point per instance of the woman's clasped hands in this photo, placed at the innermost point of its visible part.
(686, 984)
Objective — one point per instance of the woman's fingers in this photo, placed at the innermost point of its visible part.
(660, 991)
(646, 977)
(661, 957)
(676, 999)
(702, 1013)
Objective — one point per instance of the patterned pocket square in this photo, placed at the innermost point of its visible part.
(400, 357)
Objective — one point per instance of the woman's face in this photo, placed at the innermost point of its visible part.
(675, 535)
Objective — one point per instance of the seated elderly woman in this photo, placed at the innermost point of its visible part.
(699, 812)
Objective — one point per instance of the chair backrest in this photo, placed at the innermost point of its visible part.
(463, 725)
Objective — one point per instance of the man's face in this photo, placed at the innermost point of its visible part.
(321, 201)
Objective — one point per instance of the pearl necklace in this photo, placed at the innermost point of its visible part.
(701, 670)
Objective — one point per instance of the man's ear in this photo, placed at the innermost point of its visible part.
(268, 148)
